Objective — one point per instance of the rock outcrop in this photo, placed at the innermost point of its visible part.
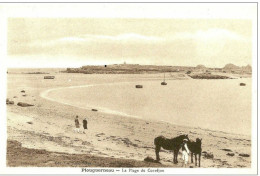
(243, 155)
(208, 76)
(24, 104)
(8, 102)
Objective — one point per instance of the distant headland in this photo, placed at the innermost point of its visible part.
(141, 69)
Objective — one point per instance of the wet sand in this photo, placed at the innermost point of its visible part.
(51, 127)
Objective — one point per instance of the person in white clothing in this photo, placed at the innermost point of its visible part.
(185, 152)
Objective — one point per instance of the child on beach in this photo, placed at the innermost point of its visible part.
(85, 125)
(185, 152)
(77, 125)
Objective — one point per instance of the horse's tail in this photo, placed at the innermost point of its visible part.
(157, 140)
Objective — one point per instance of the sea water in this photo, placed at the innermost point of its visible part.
(221, 105)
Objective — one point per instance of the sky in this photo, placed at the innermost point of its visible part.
(67, 41)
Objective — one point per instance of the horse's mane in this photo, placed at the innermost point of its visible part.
(178, 138)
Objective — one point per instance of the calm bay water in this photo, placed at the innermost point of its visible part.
(212, 104)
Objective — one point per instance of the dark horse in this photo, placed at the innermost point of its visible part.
(173, 144)
(195, 148)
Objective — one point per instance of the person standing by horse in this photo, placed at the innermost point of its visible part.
(173, 144)
(77, 129)
(185, 152)
(85, 125)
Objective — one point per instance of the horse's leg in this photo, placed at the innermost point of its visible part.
(176, 155)
(191, 157)
(157, 150)
(173, 156)
(199, 158)
(195, 159)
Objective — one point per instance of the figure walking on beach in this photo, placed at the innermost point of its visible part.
(85, 125)
(185, 152)
(77, 124)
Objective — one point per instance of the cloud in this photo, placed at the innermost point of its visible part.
(182, 48)
(87, 40)
(218, 34)
(128, 37)
(212, 35)
(201, 36)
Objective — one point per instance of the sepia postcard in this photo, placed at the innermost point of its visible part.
(129, 88)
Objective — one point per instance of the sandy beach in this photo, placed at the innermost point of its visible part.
(49, 125)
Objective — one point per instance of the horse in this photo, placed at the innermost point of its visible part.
(173, 144)
(195, 148)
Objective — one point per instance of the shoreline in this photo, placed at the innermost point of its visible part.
(44, 94)
(100, 109)
(109, 135)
